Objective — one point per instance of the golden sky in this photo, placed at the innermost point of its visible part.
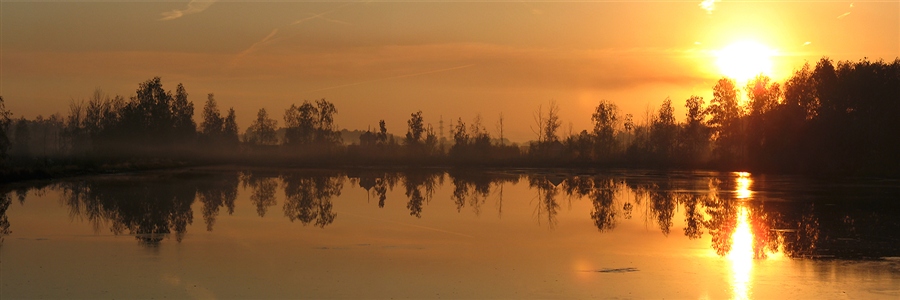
(384, 60)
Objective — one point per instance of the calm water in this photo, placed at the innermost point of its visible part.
(221, 233)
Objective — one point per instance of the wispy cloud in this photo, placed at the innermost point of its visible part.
(844, 15)
(392, 77)
(193, 7)
(709, 5)
(271, 37)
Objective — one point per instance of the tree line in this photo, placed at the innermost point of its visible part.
(833, 118)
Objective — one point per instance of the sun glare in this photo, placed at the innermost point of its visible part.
(743, 60)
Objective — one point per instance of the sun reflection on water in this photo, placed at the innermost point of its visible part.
(743, 185)
(741, 255)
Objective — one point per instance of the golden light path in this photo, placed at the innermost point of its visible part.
(743, 185)
(741, 255)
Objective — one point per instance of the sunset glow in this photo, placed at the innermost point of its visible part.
(744, 59)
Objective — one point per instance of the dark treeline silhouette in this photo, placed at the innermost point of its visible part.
(833, 118)
(849, 220)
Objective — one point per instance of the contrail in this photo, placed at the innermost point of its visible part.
(263, 41)
(271, 37)
(193, 7)
(392, 77)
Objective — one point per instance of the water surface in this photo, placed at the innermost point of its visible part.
(222, 233)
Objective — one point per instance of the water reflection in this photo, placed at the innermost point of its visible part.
(726, 208)
(743, 185)
(420, 186)
(547, 207)
(741, 255)
(149, 211)
(5, 201)
(262, 188)
(308, 197)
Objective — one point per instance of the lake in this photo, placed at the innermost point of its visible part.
(428, 233)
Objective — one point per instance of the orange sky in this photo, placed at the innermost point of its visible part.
(383, 60)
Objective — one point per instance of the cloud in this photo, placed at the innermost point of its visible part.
(709, 5)
(392, 77)
(844, 15)
(193, 7)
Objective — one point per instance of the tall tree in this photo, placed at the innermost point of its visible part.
(311, 123)
(696, 134)
(416, 127)
(262, 131)
(213, 123)
(381, 136)
(183, 115)
(23, 137)
(300, 124)
(230, 129)
(663, 131)
(552, 123)
(606, 119)
(725, 121)
(4, 126)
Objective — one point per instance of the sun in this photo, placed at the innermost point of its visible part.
(744, 60)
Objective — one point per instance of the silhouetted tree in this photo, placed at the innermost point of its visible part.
(416, 127)
(230, 129)
(695, 136)
(183, 116)
(548, 145)
(22, 138)
(310, 124)
(664, 132)
(725, 121)
(212, 127)
(4, 127)
(261, 131)
(381, 136)
(606, 119)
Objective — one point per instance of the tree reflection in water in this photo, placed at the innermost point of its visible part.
(712, 204)
(420, 186)
(262, 187)
(473, 188)
(377, 184)
(308, 197)
(215, 194)
(602, 193)
(149, 211)
(5, 201)
(546, 187)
